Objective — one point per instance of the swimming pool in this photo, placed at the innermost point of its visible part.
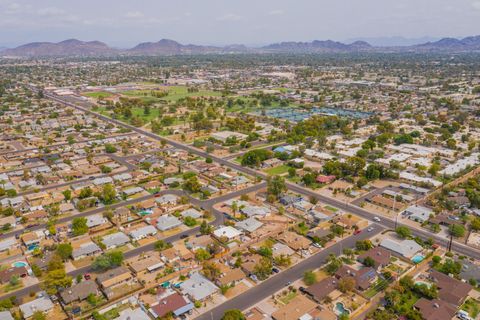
(418, 258)
(340, 309)
(19, 264)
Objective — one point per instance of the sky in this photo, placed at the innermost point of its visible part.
(125, 23)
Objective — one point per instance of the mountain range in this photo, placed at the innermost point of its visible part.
(73, 47)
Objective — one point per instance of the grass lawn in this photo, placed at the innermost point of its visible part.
(277, 170)
(175, 93)
(98, 94)
(285, 299)
(472, 307)
(331, 208)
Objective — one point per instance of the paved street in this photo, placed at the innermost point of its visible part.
(279, 281)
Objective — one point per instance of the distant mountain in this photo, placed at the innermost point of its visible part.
(171, 47)
(394, 41)
(3, 49)
(452, 44)
(318, 46)
(71, 47)
(75, 47)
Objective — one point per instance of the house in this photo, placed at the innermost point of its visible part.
(450, 289)
(418, 213)
(167, 222)
(435, 309)
(226, 232)
(174, 303)
(248, 225)
(142, 232)
(6, 315)
(132, 191)
(31, 239)
(192, 213)
(199, 242)
(113, 278)
(320, 290)
(251, 211)
(298, 308)
(115, 240)
(87, 249)
(363, 278)
(43, 304)
(223, 136)
(8, 244)
(148, 263)
(279, 249)
(325, 179)
(168, 199)
(79, 291)
(198, 288)
(379, 255)
(294, 241)
(130, 314)
(120, 215)
(95, 220)
(403, 248)
(231, 277)
(7, 274)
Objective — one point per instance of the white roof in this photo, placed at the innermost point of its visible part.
(41, 304)
(229, 232)
(95, 220)
(129, 314)
(143, 231)
(251, 224)
(115, 239)
(406, 248)
(198, 287)
(167, 222)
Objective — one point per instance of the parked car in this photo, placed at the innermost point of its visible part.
(358, 231)
(87, 276)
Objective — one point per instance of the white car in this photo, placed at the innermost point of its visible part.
(376, 219)
(370, 229)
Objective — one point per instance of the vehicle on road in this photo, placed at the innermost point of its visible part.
(370, 229)
(288, 283)
(87, 276)
(358, 231)
(376, 219)
(183, 236)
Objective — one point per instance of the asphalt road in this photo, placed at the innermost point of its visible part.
(206, 205)
(280, 280)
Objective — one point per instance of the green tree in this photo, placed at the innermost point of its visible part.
(79, 226)
(309, 277)
(55, 280)
(276, 186)
(64, 250)
(39, 315)
(403, 232)
(233, 314)
(456, 230)
(108, 260)
(110, 148)
(108, 193)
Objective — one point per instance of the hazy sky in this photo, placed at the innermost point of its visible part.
(252, 22)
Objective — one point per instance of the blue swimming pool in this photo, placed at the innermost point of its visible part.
(19, 264)
(418, 258)
(340, 309)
